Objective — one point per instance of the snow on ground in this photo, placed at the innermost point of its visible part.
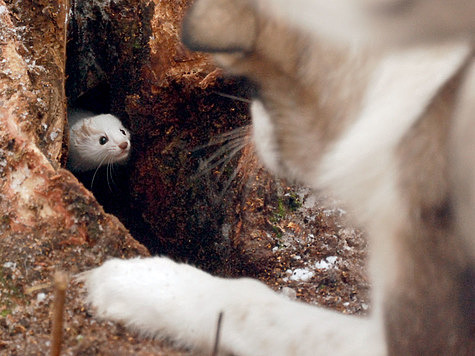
(325, 258)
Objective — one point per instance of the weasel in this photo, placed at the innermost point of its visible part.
(95, 140)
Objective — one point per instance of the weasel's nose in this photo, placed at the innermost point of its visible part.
(124, 145)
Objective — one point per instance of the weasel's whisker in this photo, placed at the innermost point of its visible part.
(110, 179)
(107, 174)
(97, 169)
(112, 166)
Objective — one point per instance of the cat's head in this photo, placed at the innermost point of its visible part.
(301, 83)
(100, 140)
(386, 23)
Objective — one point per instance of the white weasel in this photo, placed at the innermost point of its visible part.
(95, 140)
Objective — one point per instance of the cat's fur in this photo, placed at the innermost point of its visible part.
(95, 140)
(388, 133)
(386, 22)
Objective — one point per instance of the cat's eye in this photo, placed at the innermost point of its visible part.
(123, 132)
(103, 140)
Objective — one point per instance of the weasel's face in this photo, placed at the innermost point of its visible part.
(109, 139)
(100, 140)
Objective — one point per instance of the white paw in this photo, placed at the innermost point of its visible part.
(155, 296)
(123, 290)
(161, 298)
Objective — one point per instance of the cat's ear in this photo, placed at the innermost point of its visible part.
(220, 26)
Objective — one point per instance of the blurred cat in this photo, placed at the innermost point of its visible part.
(387, 132)
(384, 22)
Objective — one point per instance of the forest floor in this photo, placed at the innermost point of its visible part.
(299, 245)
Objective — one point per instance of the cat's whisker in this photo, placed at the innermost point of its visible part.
(246, 164)
(233, 97)
(238, 133)
(223, 150)
(234, 142)
(231, 155)
(231, 179)
(226, 152)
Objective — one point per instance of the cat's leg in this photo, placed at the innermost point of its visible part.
(159, 297)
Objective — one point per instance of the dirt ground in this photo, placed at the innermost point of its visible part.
(297, 245)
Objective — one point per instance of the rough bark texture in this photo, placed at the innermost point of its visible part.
(181, 193)
(168, 98)
(48, 221)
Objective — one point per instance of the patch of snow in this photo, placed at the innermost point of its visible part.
(53, 135)
(300, 274)
(326, 263)
(40, 297)
(310, 202)
(9, 264)
(334, 212)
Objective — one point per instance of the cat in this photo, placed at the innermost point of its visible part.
(95, 140)
(376, 128)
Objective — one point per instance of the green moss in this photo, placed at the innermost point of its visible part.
(277, 231)
(293, 201)
(287, 203)
(9, 293)
(279, 212)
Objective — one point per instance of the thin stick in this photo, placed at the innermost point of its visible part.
(60, 285)
(218, 334)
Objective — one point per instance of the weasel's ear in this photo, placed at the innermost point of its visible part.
(220, 26)
(85, 128)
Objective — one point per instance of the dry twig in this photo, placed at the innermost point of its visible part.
(218, 333)
(60, 284)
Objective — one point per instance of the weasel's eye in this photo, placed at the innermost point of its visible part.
(103, 140)
(123, 132)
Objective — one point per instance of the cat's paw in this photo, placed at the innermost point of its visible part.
(155, 296)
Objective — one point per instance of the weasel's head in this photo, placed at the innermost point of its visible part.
(99, 140)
